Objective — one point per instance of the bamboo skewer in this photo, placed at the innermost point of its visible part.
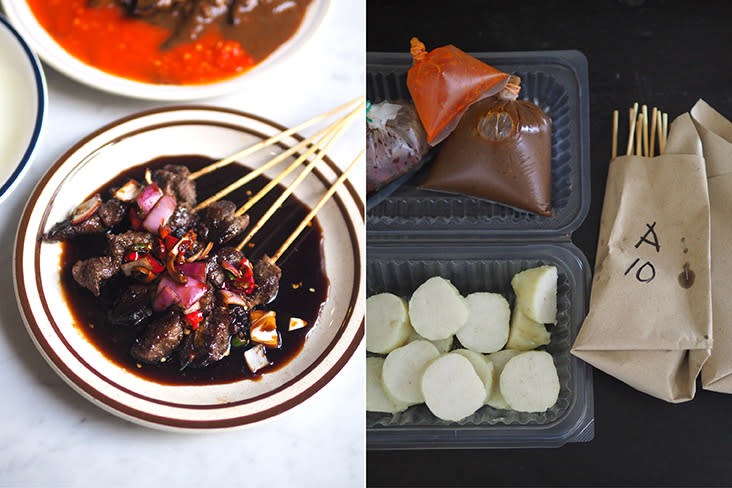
(633, 112)
(290, 189)
(258, 171)
(661, 142)
(615, 134)
(334, 132)
(268, 142)
(665, 130)
(653, 131)
(316, 208)
(646, 152)
(640, 142)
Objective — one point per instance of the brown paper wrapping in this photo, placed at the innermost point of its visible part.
(649, 323)
(715, 133)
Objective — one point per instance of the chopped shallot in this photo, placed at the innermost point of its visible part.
(264, 329)
(148, 198)
(86, 209)
(256, 358)
(128, 192)
(296, 323)
(160, 213)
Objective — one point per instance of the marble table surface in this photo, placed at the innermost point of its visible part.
(51, 436)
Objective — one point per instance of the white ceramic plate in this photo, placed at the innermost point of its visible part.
(42, 43)
(22, 105)
(132, 141)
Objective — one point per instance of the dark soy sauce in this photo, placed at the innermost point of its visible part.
(303, 288)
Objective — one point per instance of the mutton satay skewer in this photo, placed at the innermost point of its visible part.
(291, 187)
(332, 134)
(316, 208)
(272, 140)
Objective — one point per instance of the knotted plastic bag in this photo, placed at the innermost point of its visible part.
(500, 151)
(444, 83)
(395, 142)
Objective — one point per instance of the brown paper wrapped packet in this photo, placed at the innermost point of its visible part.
(715, 133)
(649, 323)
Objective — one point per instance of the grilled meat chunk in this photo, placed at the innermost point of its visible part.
(182, 219)
(240, 322)
(214, 272)
(112, 212)
(267, 277)
(208, 301)
(143, 8)
(218, 223)
(90, 273)
(210, 341)
(133, 305)
(65, 230)
(173, 180)
(109, 214)
(197, 15)
(120, 244)
(160, 339)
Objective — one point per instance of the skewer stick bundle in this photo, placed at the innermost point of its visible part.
(640, 143)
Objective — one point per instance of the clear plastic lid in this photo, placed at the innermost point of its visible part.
(475, 267)
(557, 82)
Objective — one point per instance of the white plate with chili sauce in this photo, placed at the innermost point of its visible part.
(49, 50)
(59, 334)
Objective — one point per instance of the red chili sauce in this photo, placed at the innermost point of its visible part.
(156, 49)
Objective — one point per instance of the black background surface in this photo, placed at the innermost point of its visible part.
(663, 53)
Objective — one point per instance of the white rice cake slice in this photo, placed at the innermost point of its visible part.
(437, 309)
(387, 323)
(376, 398)
(529, 382)
(482, 366)
(526, 334)
(452, 389)
(442, 345)
(536, 293)
(499, 360)
(403, 368)
(487, 327)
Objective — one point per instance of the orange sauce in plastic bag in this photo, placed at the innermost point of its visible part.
(444, 83)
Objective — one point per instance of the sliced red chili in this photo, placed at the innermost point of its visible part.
(135, 220)
(132, 256)
(164, 231)
(194, 318)
(170, 241)
(155, 265)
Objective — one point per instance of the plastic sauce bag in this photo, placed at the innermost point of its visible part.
(444, 83)
(395, 142)
(500, 151)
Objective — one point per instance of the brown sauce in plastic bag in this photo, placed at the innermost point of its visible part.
(444, 82)
(500, 151)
